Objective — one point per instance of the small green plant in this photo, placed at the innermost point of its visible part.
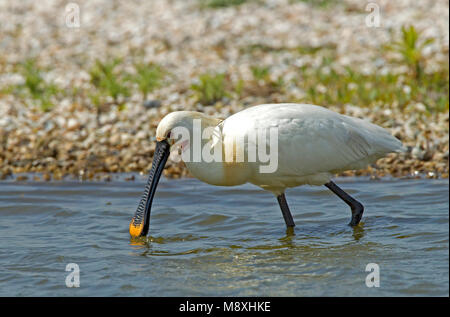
(328, 86)
(261, 73)
(258, 48)
(262, 84)
(317, 3)
(148, 77)
(34, 81)
(221, 3)
(35, 86)
(239, 88)
(410, 47)
(108, 80)
(210, 88)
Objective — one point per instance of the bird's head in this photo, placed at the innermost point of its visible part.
(172, 121)
(165, 138)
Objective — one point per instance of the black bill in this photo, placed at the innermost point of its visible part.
(140, 223)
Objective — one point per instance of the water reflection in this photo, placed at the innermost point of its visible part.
(288, 240)
(142, 245)
(139, 241)
(358, 231)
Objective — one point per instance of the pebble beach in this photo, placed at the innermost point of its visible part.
(265, 52)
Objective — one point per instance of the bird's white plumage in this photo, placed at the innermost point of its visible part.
(314, 142)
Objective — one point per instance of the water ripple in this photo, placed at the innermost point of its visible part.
(207, 240)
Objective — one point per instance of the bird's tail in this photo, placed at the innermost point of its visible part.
(382, 139)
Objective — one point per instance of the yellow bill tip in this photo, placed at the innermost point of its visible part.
(136, 231)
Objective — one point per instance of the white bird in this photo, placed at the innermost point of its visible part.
(313, 144)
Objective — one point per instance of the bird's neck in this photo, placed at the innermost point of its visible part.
(208, 160)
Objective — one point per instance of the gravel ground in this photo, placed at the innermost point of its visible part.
(74, 138)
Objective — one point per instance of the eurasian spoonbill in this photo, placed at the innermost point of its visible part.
(314, 143)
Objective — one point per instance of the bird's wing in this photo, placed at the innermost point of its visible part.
(332, 144)
(312, 139)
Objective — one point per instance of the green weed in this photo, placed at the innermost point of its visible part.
(210, 88)
(327, 86)
(35, 86)
(109, 81)
(318, 3)
(221, 3)
(261, 73)
(148, 77)
(411, 47)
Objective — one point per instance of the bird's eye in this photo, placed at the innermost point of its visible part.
(169, 135)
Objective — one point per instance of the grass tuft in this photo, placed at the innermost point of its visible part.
(210, 88)
(221, 3)
(108, 81)
(411, 49)
(328, 86)
(35, 86)
(148, 77)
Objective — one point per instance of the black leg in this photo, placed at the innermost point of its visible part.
(356, 206)
(285, 210)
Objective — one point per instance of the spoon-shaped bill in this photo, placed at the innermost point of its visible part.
(141, 220)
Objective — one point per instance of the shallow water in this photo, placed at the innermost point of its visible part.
(218, 241)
